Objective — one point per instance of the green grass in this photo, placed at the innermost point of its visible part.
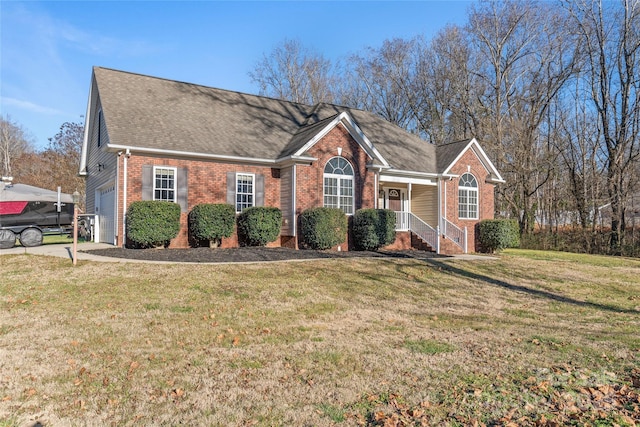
(522, 338)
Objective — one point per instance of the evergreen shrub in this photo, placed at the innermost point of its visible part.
(211, 222)
(373, 229)
(152, 223)
(498, 234)
(259, 225)
(323, 228)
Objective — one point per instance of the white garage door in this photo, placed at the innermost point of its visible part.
(106, 216)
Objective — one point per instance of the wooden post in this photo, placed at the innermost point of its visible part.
(76, 199)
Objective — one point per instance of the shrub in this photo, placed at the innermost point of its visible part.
(373, 229)
(259, 225)
(212, 222)
(152, 223)
(498, 234)
(323, 228)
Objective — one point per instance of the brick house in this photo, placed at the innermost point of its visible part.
(148, 138)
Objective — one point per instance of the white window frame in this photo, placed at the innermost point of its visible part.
(175, 183)
(466, 196)
(252, 194)
(340, 184)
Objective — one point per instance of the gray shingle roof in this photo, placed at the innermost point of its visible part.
(154, 113)
(447, 153)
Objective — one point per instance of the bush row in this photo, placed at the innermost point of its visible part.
(155, 223)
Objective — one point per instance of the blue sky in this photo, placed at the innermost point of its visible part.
(48, 48)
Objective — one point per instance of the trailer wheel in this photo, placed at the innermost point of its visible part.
(7, 239)
(31, 237)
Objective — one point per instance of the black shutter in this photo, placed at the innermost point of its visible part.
(147, 182)
(183, 189)
(231, 189)
(260, 190)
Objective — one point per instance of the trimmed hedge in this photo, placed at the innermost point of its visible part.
(498, 234)
(152, 223)
(373, 229)
(323, 228)
(212, 222)
(259, 225)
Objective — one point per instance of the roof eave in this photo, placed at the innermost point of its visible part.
(192, 154)
(400, 172)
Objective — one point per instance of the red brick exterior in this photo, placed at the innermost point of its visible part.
(309, 179)
(207, 182)
(403, 242)
(469, 162)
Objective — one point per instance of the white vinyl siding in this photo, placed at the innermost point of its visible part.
(424, 203)
(286, 200)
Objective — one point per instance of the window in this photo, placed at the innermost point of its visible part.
(164, 185)
(338, 185)
(468, 197)
(244, 191)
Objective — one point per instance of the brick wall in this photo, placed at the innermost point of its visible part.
(469, 162)
(309, 178)
(207, 182)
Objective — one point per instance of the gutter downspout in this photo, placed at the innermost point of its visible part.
(116, 189)
(294, 189)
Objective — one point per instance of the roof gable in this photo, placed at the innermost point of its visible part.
(449, 154)
(318, 130)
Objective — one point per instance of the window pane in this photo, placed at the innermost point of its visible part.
(244, 192)
(164, 184)
(338, 184)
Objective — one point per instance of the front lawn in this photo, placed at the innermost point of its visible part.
(532, 338)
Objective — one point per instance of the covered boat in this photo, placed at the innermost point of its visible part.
(27, 213)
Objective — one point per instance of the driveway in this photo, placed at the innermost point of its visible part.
(65, 250)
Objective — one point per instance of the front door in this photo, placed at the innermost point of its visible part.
(396, 200)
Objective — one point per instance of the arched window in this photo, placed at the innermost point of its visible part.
(468, 197)
(338, 184)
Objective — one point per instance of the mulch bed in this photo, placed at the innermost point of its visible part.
(246, 254)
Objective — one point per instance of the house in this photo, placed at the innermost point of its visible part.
(149, 138)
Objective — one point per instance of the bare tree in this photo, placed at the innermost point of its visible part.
(294, 73)
(57, 165)
(63, 157)
(382, 82)
(610, 37)
(446, 89)
(14, 142)
(529, 59)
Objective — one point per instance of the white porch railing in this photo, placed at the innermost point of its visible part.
(406, 221)
(454, 233)
(402, 221)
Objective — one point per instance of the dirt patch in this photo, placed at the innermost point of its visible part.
(246, 254)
